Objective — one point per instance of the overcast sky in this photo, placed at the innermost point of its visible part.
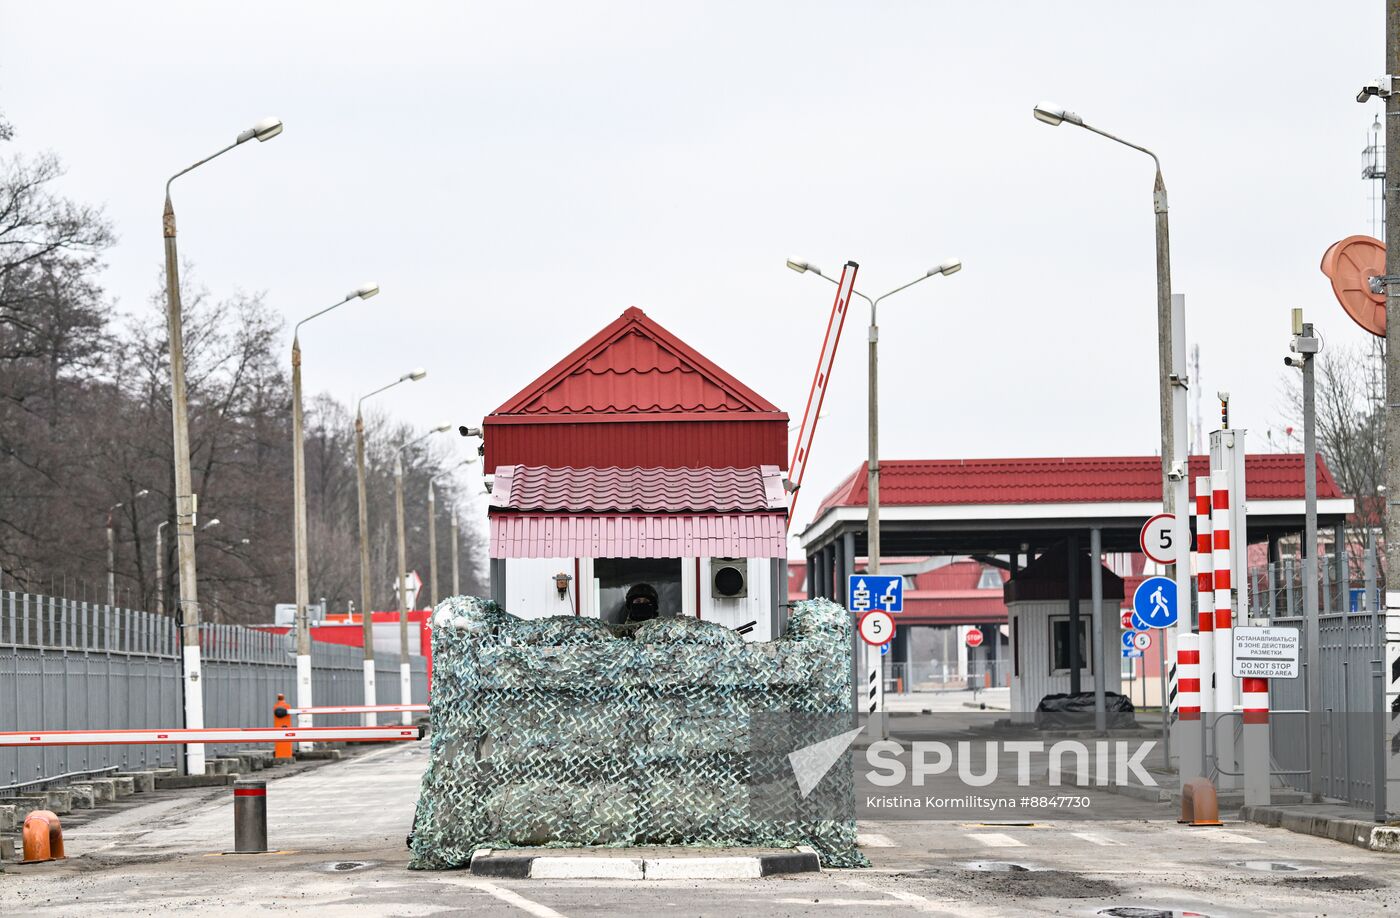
(515, 175)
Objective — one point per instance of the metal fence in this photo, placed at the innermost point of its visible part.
(937, 676)
(1351, 633)
(68, 665)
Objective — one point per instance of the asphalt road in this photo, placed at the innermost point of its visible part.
(340, 832)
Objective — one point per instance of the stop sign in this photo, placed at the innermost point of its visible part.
(974, 637)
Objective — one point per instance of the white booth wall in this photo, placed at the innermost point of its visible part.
(1032, 676)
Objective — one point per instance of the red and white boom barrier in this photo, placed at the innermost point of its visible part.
(232, 735)
(360, 709)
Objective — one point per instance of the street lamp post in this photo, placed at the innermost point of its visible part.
(160, 566)
(456, 580)
(186, 504)
(872, 564)
(112, 548)
(1302, 350)
(951, 266)
(303, 588)
(405, 676)
(1172, 381)
(432, 539)
(366, 616)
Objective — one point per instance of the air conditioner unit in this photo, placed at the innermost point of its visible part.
(729, 578)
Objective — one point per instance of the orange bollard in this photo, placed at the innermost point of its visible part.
(1199, 804)
(43, 838)
(281, 718)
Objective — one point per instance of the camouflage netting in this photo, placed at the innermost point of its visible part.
(566, 731)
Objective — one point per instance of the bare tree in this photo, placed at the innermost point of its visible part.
(1350, 432)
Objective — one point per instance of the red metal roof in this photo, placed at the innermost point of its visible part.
(648, 490)
(714, 535)
(631, 395)
(920, 482)
(634, 366)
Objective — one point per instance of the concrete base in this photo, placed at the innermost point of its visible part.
(643, 863)
(25, 805)
(312, 755)
(125, 787)
(1323, 821)
(60, 801)
(143, 781)
(104, 790)
(7, 849)
(176, 782)
(7, 818)
(82, 796)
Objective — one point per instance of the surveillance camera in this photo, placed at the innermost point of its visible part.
(1176, 471)
(1295, 360)
(1380, 86)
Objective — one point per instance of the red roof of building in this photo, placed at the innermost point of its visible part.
(637, 490)
(632, 395)
(671, 535)
(634, 366)
(920, 482)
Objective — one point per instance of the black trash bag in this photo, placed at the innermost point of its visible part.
(1076, 712)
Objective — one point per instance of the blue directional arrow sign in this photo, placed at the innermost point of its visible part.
(1131, 653)
(873, 591)
(1154, 604)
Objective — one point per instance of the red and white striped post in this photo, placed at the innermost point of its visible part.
(1221, 576)
(1205, 589)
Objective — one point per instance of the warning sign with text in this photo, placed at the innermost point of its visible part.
(1266, 653)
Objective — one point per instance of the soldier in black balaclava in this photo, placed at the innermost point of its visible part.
(642, 604)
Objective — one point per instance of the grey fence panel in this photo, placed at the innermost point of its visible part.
(68, 665)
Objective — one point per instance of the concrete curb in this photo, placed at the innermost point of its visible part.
(1362, 833)
(519, 864)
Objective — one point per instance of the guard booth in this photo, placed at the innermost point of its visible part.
(636, 459)
(1042, 628)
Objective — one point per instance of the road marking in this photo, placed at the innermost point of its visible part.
(1233, 838)
(511, 897)
(874, 841)
(908, 898)
(996, 840)
(1094, 839)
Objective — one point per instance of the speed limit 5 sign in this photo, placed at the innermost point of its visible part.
(875, 627)
(1158, 538)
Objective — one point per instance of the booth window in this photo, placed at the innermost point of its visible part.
(617, 575)
(1059, 645)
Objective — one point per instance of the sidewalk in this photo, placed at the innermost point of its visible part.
(1336, 821)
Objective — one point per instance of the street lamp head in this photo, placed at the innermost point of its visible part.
(211, 524)
(143, 492)
(245, 541)
(801, 267)
(951, 266)
(442, 428)
(364, 291)
(416, 374)
(1052, 114)
(266, 129)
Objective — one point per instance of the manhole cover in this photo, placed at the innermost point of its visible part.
(1273, 866)
(1137, 911)
(995, 867)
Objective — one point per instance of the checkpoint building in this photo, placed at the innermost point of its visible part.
(1035, 518)
(636, 459)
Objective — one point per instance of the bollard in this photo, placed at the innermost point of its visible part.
(1199, 804)
(43, 838)
(249, 817)
(281, 718)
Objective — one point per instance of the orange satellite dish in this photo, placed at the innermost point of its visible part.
(1350, 265)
